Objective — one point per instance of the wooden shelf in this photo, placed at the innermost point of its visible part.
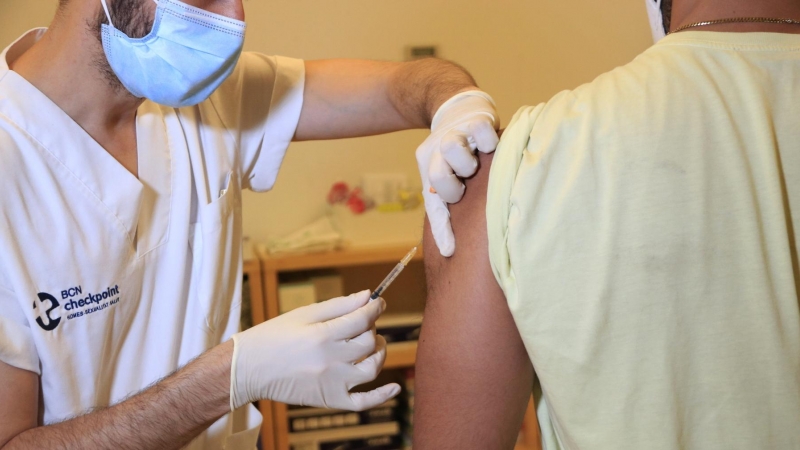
(356, 256)
(400, 355)
(251, 267)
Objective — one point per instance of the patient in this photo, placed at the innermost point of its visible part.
(637, 267)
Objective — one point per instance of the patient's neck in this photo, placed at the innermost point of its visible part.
(685, 12)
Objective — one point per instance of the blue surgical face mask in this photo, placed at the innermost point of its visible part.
(187, 55)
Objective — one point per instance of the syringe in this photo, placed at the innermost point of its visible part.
(393, 274)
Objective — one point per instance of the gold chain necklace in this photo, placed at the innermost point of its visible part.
(737, 20)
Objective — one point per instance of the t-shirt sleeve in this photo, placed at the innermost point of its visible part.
(17, 347)
(260, 105)
(499, 208)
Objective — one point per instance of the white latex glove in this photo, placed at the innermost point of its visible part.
(313, 356)
(463, 124)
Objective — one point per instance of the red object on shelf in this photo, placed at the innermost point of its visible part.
(339, 193)
(356, 202)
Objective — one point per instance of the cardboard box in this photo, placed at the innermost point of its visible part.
(328, 287)
(295, 295)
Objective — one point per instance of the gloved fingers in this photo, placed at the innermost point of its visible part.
(365, 400)
(357, 322)
(484, 135)
(368, 369)
(439, 218)
(447, 185)
(459, 154)
(360, 347)
(336, 307)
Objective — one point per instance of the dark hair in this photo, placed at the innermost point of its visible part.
(129, 16)
(666, 12)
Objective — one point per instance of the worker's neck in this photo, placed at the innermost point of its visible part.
(685, 12)
(68, 65)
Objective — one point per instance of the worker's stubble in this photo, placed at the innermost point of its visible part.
(132, 17)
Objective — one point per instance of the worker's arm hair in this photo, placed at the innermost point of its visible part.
(350, 98)
(473, 377)
(167, 415)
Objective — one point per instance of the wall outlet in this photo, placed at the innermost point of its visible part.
(420, 52)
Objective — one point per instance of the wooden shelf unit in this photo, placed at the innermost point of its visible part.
(251, 268)
(275, 431)
(400, 354)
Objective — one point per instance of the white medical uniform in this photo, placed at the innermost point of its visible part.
(108, 282)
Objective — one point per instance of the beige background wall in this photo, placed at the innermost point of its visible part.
(521, 51)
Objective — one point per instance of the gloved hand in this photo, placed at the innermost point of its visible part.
(313, 356)
(463, 124)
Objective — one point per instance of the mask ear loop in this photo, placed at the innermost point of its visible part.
(108, 15)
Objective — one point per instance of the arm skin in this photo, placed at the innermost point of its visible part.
(350, 98)
(473, 376)
(165, 416)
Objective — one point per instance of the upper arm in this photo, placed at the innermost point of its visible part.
(473, 377)
(348, 98)
(19, 364)
(19, 384)
(19, 401)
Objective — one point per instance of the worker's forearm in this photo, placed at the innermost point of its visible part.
(417, 89)
(349, 98)
(165, 416)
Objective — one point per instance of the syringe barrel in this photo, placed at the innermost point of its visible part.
(388, 280)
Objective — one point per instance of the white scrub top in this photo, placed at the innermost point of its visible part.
(108, 282)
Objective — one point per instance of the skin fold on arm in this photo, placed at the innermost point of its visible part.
(473, 376)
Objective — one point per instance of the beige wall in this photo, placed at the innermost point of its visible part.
(521, 51)
(17, 16)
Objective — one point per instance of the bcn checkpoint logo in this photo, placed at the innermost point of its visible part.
(74, 303)
(47, 322)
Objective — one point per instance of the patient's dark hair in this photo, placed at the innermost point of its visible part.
(666, 11)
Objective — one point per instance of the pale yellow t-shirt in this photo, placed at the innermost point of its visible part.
(643, 229)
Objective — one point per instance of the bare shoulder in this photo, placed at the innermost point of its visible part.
(469, 342)
(468, 218)
(464, 284)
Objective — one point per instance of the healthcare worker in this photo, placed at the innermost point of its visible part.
(128, 130)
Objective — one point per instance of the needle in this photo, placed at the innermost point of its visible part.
(393, 274)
